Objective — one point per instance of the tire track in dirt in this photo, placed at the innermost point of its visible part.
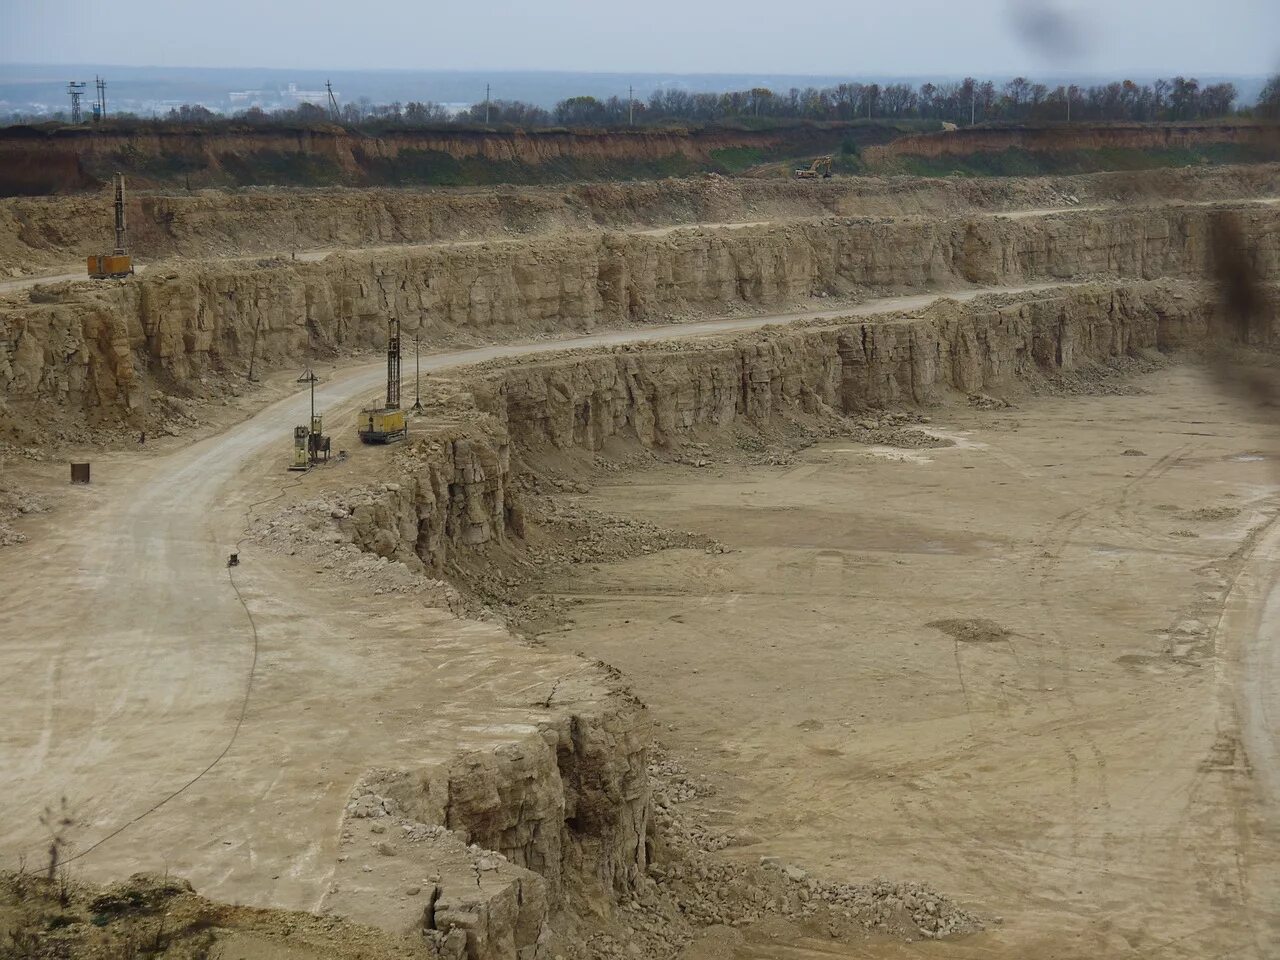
(1226, 770)
(1043, 569)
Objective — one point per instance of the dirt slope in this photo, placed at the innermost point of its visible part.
(36, 161)
(60, 231)
(1066, 138)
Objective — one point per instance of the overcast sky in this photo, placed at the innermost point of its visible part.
(979, 37)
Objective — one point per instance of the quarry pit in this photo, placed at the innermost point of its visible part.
(880, 567)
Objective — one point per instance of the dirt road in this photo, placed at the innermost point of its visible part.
(1037, 669)
(172, 702)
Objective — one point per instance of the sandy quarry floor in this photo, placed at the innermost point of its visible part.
(1084, 744)
(1009, 667)
(209, 724)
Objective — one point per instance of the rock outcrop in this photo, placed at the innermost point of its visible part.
(660, 396)
(561, 813)
(213, 223)
(555, 819)
(454, 490)
(101, 351)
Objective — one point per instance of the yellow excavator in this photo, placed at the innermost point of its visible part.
(821, 167)
(118, 263)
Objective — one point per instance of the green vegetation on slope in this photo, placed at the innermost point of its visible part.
(1016, 162)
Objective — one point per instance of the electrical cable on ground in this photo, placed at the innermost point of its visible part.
(244, 702)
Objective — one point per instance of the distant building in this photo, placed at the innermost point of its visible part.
(318, 97)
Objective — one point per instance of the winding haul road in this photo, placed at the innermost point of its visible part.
(213, 724)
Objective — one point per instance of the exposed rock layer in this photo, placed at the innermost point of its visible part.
(661, 396)
(101, 351)
(205, 223)
(456, 493)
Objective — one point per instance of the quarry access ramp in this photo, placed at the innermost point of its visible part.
(206, 718)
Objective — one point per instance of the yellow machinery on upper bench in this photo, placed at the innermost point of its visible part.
(821, 167)
(118, 263)
(387, 424)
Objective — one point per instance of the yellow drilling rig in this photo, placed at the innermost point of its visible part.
(386, 424)
(117, 263)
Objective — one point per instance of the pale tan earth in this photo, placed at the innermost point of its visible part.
(124, 591)
(37, 234)
(1078, 766)
(1032, 667)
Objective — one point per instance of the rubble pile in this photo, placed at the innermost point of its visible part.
(15, 503)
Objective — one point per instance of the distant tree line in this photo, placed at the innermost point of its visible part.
(968, 101)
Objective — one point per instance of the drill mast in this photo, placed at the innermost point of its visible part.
(393, 364)
(121, 244)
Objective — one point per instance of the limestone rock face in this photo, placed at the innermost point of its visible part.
(56, 230)
(454, 493)
(102, 351)
(658, 395)
(557, 816)
(564, 802)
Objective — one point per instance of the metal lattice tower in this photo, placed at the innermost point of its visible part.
(393, 364)
(100, 108)
(76, 91)
(122, 244)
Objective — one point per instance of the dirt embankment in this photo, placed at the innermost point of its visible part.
(103, 352)
(579, 816)
(1069, 138)
(59, 231)
(39, 162)
(457, 491)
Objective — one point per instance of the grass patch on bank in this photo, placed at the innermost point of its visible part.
(439, 169)
(736, 159)
(1016, 162)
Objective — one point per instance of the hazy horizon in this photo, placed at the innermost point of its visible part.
(820, 38)
(41, 88)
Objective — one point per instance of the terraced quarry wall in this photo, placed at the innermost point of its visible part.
(554, 815)
(103, 350)
(59, 231)
(457, 490)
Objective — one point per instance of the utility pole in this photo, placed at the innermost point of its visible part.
(973, 105)
(486, 104)
(417, 373)
(100, 108)
(631, 106)
(333, 101)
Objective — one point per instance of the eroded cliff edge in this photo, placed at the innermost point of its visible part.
(105, 352)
